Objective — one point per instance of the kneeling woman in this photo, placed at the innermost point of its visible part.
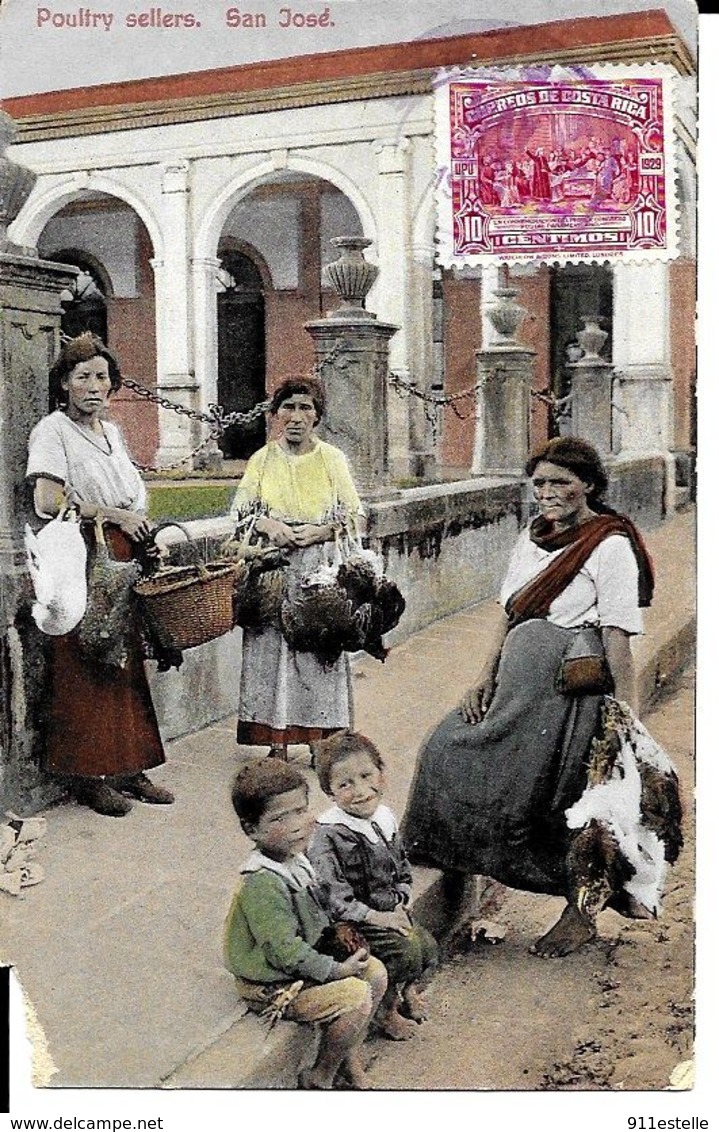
(502, 785)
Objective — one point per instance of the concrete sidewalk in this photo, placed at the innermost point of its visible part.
(119, 948)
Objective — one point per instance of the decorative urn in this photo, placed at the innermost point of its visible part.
(506, 316)
(351, 276)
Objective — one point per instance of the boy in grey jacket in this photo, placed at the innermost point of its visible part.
(362, 867)
(275, 924)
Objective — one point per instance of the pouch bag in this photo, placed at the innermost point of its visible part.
(583, 669)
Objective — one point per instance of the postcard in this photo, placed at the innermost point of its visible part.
(347, 532)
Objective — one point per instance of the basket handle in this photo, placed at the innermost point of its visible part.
(202, 570)
(171, 523)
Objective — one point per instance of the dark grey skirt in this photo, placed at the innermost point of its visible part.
(490, 798)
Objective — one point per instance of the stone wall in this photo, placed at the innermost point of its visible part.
(447, 546)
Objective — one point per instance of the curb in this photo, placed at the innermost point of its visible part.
(248, 1056)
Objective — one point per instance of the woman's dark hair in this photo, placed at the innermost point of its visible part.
(576, 456)
(259, 781)
(74, 351)
(294, 385)
(341, 746)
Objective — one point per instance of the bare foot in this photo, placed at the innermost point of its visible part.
(571, 930)
(353, 1071)
(392, 1025)
(414, 1007)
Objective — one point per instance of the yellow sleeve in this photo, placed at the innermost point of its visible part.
(248, 490)
(343, 482)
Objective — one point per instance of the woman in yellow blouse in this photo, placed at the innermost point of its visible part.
(302, 489)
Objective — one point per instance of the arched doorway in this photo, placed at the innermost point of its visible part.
(241, 351)
(114, 297)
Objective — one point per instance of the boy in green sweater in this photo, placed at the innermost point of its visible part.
(275, 922)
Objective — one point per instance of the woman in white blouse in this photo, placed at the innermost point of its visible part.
(495, 780)
(101, 728)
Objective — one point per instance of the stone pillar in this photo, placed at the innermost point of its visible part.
(352, 349)
(422, 448)
(592, 379)
(641, 352)
(175, 376)
(29, 341)
(505, 370)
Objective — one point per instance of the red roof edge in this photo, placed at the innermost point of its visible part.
(488, 46)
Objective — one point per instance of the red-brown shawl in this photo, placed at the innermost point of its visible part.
(535, 598)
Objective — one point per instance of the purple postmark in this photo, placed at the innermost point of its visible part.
(575, 168)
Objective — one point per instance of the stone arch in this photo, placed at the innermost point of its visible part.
(42, 206)
(213, 222)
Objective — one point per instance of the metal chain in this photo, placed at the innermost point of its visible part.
(432, 403)
(219, 421)
(558, 406)
(216, 417)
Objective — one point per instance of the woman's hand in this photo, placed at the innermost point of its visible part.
(307, 534)
(279, 533)
(355, 965)
(475, 703)
(133, 523)
(49, 497)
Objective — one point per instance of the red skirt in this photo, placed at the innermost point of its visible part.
(101, 720)
(251, 734)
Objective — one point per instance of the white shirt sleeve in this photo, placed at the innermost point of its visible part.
(604, 592)
(616, 577)
(46, 452)
(518, 573)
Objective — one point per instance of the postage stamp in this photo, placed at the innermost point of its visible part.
(223, 305)
(558, 169)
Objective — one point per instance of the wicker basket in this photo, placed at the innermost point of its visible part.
(191, 604)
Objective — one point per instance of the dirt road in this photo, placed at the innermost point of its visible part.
(617, 1015)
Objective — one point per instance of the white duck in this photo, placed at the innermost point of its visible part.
(56, 560)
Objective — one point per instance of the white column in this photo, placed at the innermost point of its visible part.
(420, 353)
(205, 286)
(490, 282)
(389, 298)
(175, 377)
(641, 356)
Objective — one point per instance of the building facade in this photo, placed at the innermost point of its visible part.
(200, 208)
